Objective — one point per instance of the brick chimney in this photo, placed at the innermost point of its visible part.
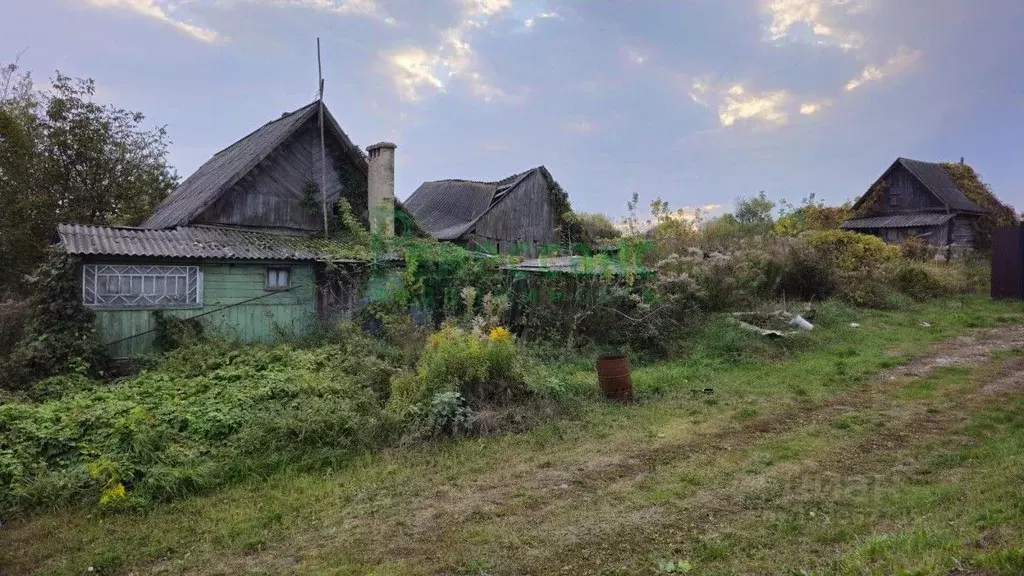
(381, 185)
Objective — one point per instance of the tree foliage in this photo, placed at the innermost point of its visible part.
(599, 226)
(60, 335)
(66, 158)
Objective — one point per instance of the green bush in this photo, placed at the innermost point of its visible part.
(59, 335)
(485, 370)
(859, 263)
(918, 281)
(917, 248)
(208, 415)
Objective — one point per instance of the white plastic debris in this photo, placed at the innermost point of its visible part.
(800, 323)
(925, 325)
(854, 325)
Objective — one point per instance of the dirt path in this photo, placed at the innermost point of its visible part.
(584, 505)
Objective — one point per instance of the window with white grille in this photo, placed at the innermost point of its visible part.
(120, 286)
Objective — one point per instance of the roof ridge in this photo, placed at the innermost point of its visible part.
(275, 121)
(504, 180)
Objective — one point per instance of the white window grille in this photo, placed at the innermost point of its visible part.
(121, 286)
(277, 278)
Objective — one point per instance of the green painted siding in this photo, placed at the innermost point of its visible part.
(225, 288)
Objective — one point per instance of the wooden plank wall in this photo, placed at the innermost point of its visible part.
(273, 194)
(223, 285)
(523, 218)
(905, 193)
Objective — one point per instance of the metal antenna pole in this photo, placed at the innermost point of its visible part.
(323, 151)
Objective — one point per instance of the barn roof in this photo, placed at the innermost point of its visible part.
(447, 209)
(580, 265)
(201, 242)
(936, 180)
(898, 221)
(228, 166)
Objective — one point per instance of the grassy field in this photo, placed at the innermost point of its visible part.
(888, 448)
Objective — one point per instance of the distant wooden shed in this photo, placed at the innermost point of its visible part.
(915, 198)
(516, 215)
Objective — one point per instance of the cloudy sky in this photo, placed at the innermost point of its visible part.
(696, 101)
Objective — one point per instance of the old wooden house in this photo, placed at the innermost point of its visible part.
(914, 198)
(240, 244)
(517, 215)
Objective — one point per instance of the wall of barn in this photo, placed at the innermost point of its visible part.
(963, 231)
(276, 194)
(521, 223)
(904, 193)
(228, 290)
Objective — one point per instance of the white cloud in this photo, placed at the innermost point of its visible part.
(822, 19)
(815, 106)
(160, 11)
(735, 102)
(416, 70)
(368, 8)
(530, 22)
(473, 9)
(903, 58)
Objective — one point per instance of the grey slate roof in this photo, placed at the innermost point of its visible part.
(910, 220)
(579, 265)
(228, 166)
(447, 209)
(935, 178)
(196, 242)
(938, 181)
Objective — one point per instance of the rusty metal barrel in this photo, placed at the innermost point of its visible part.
(614, 375)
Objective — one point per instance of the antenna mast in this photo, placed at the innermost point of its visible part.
(323, 152)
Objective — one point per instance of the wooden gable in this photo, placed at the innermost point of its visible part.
(525, 216)
(904, 192)
(282, 190)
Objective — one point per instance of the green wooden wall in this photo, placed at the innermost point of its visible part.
(225, 284)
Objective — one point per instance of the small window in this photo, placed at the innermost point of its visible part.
(277, 278)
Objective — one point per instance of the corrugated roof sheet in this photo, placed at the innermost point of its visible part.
(938, 181)
(447, 209)
(206, 184)
(898, 220)
(197, 242)
(579, 265)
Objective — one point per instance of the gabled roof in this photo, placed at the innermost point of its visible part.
(200, 242)
(936, 180)
(206, 185)
(447, 209)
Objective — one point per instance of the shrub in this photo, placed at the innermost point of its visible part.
(859, 262)
(805, 274)
(59, 335)
(208, 415)
(919, 281)
(13, 317)
(449, 414)
(484, 369)
(917, 248)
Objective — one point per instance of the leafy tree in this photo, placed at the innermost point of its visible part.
(65, 158)
(598, 225)
(756, 211)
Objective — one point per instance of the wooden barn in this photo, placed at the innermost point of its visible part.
(240, 243)
(518, 215)
(915, 198)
